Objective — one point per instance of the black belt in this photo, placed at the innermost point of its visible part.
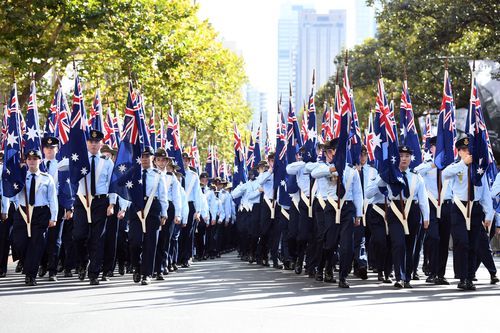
(447, 201)
(44, 206)
(99, 196)
(154, 198)
(405, 201)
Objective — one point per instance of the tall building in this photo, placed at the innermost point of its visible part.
(258, 103)
(366, 25)
(321, 37)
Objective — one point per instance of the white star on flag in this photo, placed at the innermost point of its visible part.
(16, 186)
(412, 157)
(32, 133)
(138, 160)
(480, 171)
(311, 133)
(393, 159)
(235, 169)
(74, 157)
(122, 168)
(283, 183)
(129, 184)
(11, 139)
(168, 145)
(376, 141)
(8, 171)
(140, 181)
(427, 156)
(84, 171)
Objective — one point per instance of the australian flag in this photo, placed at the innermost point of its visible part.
(66, 194)
(50, 123)
(280, 162)
(152, 129)
(386, 142)
(239, 171)
(96, 119)
(109, 132)
(79, 165)
(369, 141)
(173, 144)
(116, 127)
(195, 154)
(310, 137)
(355, 135)
(476, 132)
(427, 133)
(409, 135)
(32, 135)
(250, 154)
(293, 145)
(446, 130)
(13, 176)
(126, 180)
(209, 165)
(162, 135)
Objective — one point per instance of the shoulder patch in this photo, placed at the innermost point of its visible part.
(156, 170)
(44, 174)
(413, 171)
(104, 157)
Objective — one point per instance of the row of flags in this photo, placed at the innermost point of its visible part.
(381, 138)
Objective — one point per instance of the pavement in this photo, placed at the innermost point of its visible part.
(228, 295)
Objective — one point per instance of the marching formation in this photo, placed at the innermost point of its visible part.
(86, 198)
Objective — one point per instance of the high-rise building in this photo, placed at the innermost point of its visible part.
(258, 103)
(366, 25)
(321, 38)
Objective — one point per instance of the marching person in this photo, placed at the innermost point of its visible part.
(37, 211)
(472, 210)
(5, 228)
(404, 218)
(173, 214)
(173, 251)
(145, 223)
(343, 211)
(437, 236)
(265, 180)
(201, 229)
(88, 235)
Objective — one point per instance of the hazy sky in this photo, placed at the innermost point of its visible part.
(253, 26)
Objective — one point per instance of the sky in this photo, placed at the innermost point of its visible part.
(251, 26)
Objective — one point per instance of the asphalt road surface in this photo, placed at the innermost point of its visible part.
(227, 295)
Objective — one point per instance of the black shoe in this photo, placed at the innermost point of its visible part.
(42, 271)
(470, 286)
(399, 284)
(146, 280)
(185, 265)
(319, 276)
(462, 285)
(128, 270)
(110, 274)
(474, 279)
(415, 277)
(52, 278)
(94, 282)
(82, 273)
(121, 270)
(68, 273)
(104, 277)
(251, 259)
(3, 274)
(363, 273)
(137, 277)
(165, 272)
(343, 284)
(494, 279)
(441, 281)
(311, 274)
(387, 280)
(174, 267)
(407, 285)
(31, 281)
(19, 267)
(277, 265)
(329, 278)
(170, 268)
(265, 263)
(431, 279)
(218, 255)
(298, 269)
(160, 277)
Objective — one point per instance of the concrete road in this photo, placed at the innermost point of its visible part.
(227, 295)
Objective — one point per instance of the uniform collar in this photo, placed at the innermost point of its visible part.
(36, 173)
(97, 155)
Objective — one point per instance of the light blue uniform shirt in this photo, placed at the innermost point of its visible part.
(458, 172)
(218, 212)
(354, 193)
(372, 190)
(495, 192)
(184, 207)
(5, 200)
(45, 194)
(173, 191)
(226, 201)
(420, 192)
(160, 192)
(265, 180)
(429, 174)
(303, 178)
(321, 183)
(192, 188)
(103, 170)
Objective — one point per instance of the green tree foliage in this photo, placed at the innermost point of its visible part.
(173, 56)
(419, 35)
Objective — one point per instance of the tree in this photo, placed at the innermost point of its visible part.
(420, 35)
(172, 54)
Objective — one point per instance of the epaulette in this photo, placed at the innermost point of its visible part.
(44, 174)
(413, 171)
(170, 173)
(156, 170)
(104, 157)
(352, 166)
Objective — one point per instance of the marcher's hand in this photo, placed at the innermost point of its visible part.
(177, 220)
(226, 224)
(261, 189)
(120, 215)
(163, 220)
(68, 215)
(426, 225)
(468, 159)
(357, 221)
(197, 216)
(358, 167)
(213, 222)
(333, 169)
(184, 225)
(52, 224)
(487, 224)
(5, 217)
(110, 210)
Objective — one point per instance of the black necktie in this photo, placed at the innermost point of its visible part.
(406, 189)
(203, 190)
(32, 190)
(471, 187)
(340, 189)
(92, 176)
(362, 176)
(144, 173)
(48, 165)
